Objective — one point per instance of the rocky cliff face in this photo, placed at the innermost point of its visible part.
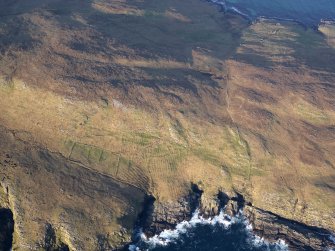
(298, 235)
(158, 216)
(265, 224)
(53, 204)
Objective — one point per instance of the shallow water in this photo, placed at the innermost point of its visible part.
(199, 234)
(308, 12)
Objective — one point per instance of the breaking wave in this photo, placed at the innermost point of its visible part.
(233, 9)
(188, 235)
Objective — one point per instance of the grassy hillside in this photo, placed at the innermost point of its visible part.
(105, 101)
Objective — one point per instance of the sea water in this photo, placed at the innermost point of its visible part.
(221, 232)
(307, 12)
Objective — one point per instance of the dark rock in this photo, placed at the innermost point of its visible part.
(296, 234)
(145, 218)
(103, 242)
(231, 208)
(223, 199)
(50, 241)
(167, 216)
(232, 205)
(157, 216)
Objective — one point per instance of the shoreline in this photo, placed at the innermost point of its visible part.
(233, 10)
(263, 225)
(223, 220)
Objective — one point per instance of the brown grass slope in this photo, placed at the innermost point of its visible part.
(148, 96)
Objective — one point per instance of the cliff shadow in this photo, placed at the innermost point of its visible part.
(6, 229)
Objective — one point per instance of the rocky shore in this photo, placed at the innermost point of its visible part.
(157, 217)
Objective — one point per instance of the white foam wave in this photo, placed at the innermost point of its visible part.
(219, 2)
(223, 4)
(260, 242)
(236, 10)
(169, 236)
(332, 238)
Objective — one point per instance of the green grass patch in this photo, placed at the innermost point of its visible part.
(207, 156)
(312, 114)
(138, 138)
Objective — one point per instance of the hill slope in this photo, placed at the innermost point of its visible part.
(105, 102)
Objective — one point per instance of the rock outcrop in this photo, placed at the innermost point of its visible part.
(296, 234)
(51, 243)
(157, 216)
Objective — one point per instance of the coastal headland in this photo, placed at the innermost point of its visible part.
(115, 113)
